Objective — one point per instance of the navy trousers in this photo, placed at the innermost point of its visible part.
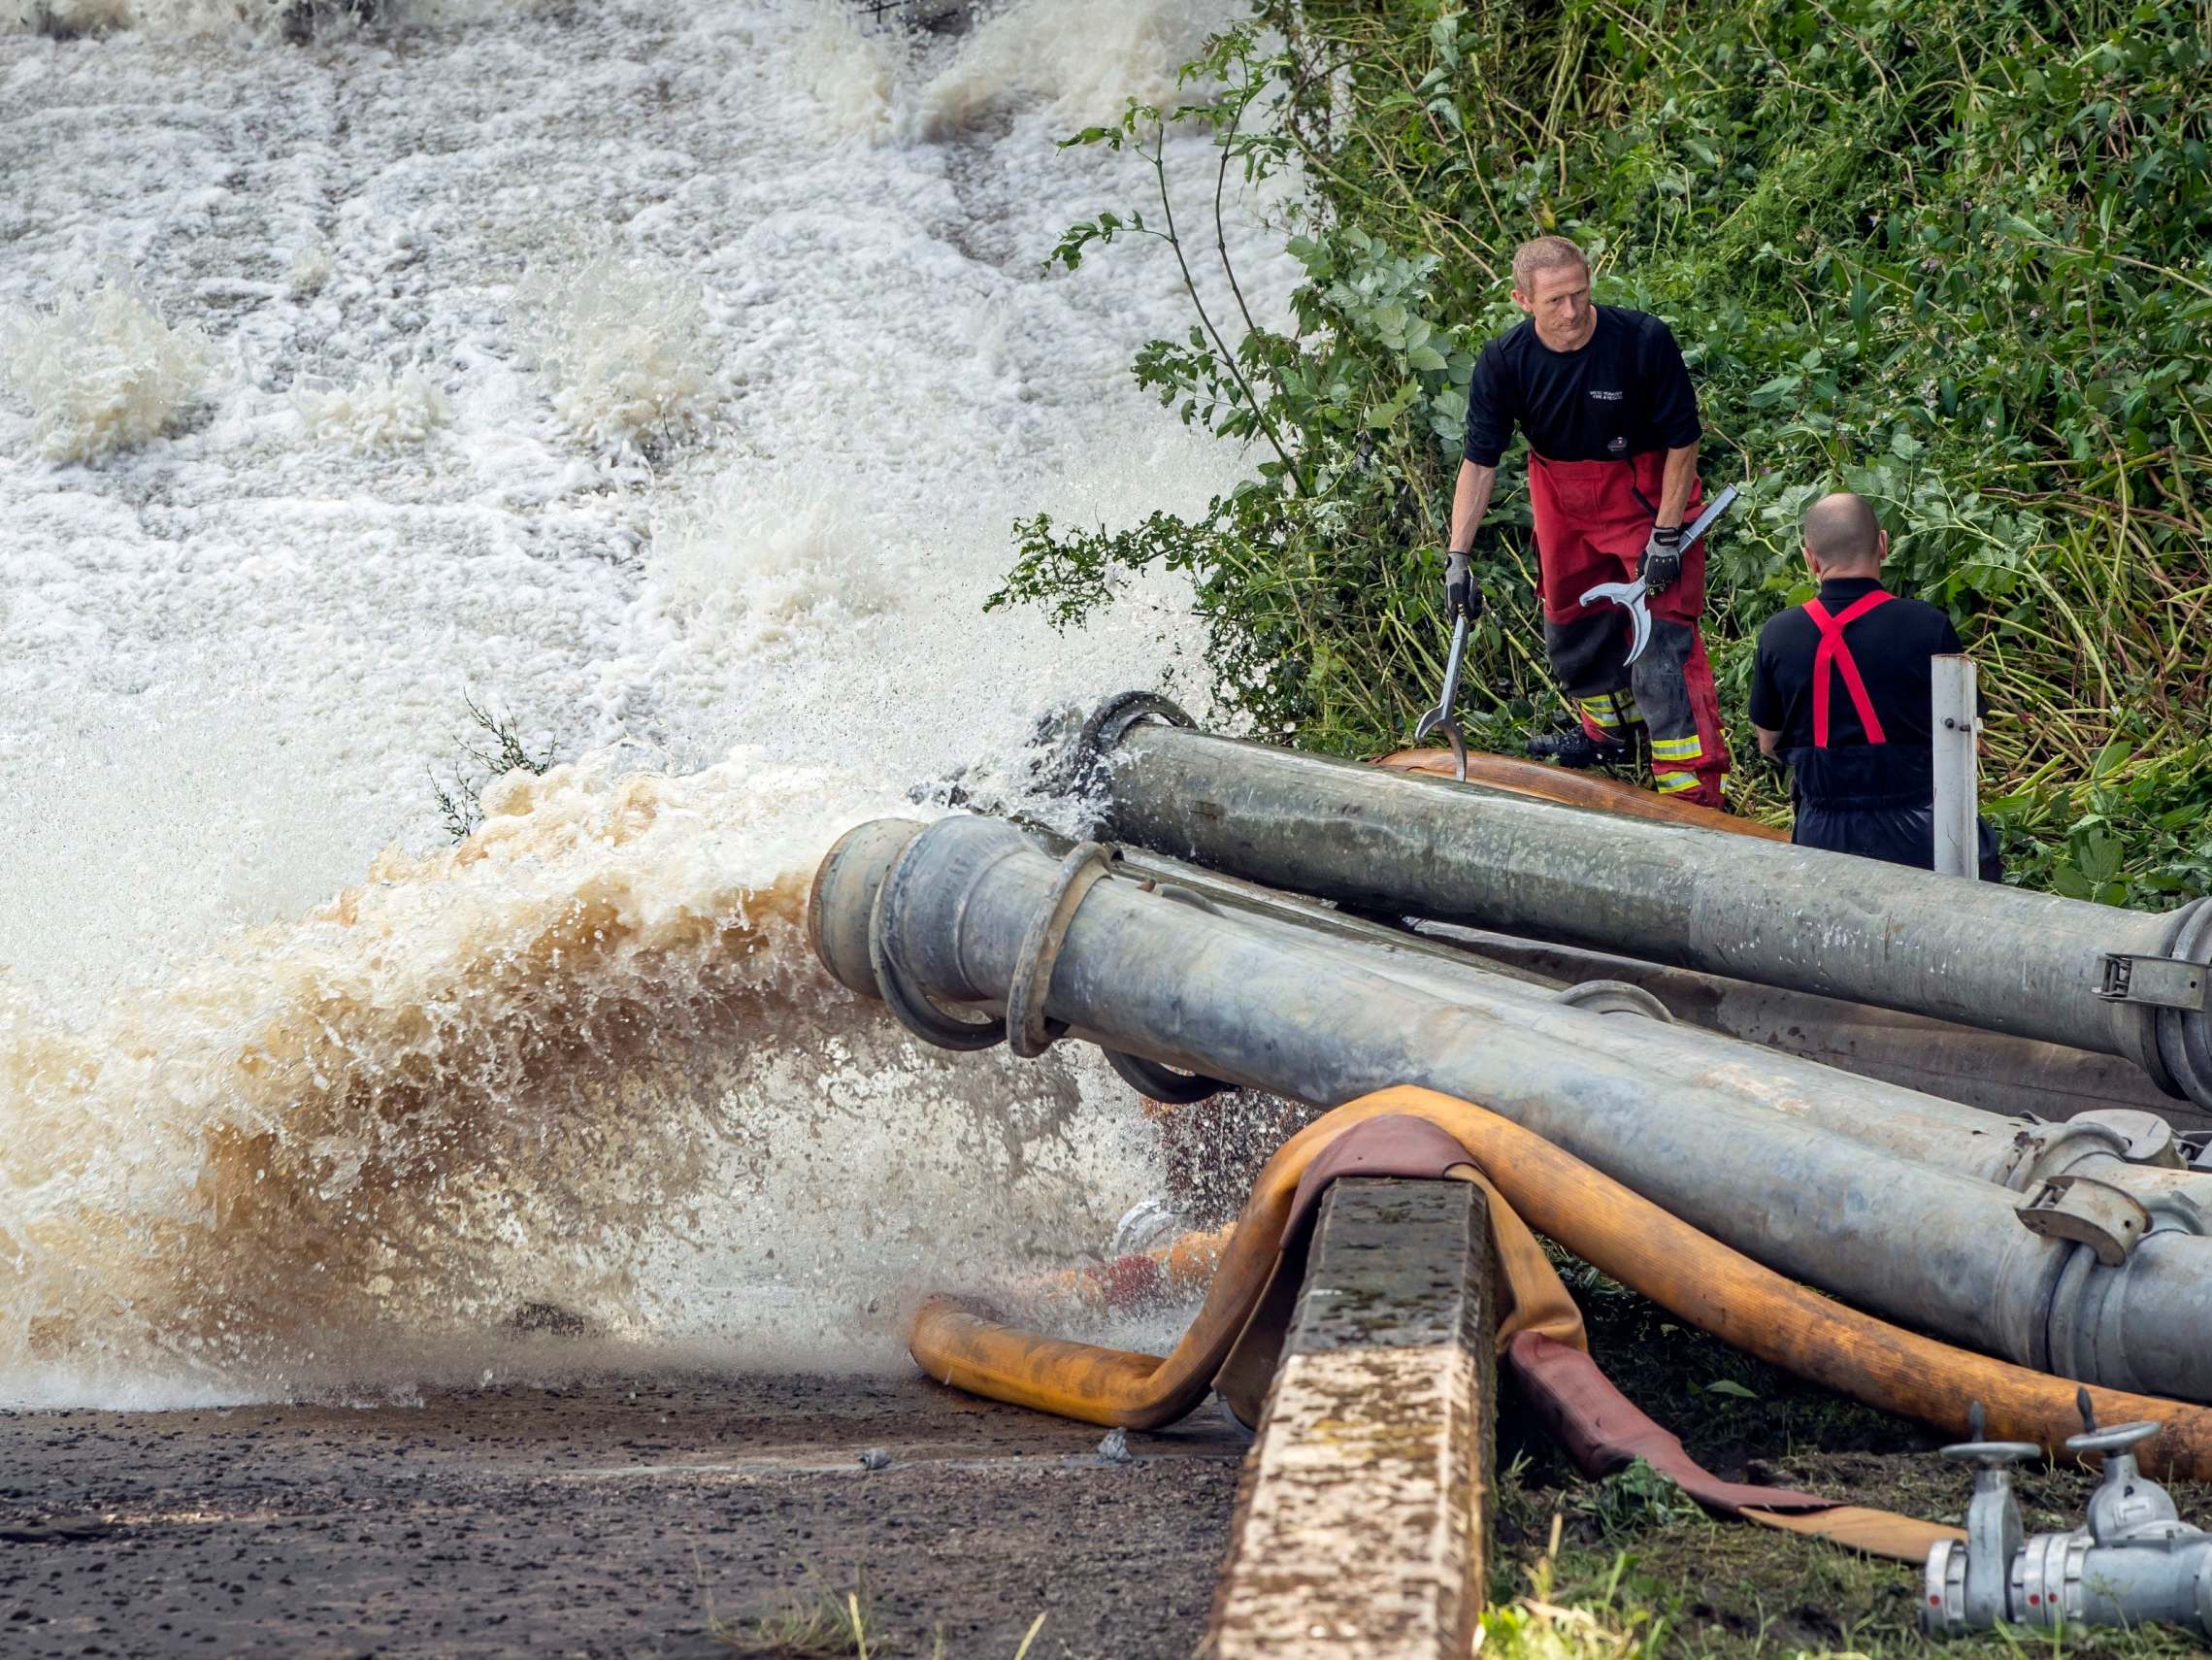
(1899, 835)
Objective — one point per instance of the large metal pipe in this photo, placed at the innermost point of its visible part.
(1995, 1071)
(2011, 1149)
(2095, 977)
(957, 911)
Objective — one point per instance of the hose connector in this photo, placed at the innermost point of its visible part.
(2134, 1561)
(1967, 1589)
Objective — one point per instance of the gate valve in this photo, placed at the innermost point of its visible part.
(1967, 1581)
(2128, 1504)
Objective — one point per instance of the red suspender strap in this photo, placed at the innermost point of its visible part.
(1832, 650)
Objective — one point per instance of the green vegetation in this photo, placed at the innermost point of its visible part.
(1948, 253)
(1713, 1590)
(491, 752)
(825, 1623)
(1627, 1569)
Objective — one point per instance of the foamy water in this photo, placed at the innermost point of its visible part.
(669, 379)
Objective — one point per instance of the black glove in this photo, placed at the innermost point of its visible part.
(1661, 567)
(1462, 594)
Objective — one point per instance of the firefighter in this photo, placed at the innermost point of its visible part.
(1604, 398)
(1843, 690)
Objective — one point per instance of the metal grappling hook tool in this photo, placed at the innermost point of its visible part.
(1633, 597)
(1440, 719)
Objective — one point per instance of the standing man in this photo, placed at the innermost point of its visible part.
(1844, 691)
(1612, 428)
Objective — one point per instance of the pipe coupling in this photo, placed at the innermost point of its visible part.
(2182, 1036)
(1110, 722)
(857, 921)
(1029, 1030)
(2049, 1148)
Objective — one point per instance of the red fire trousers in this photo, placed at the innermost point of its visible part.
(1592, 518)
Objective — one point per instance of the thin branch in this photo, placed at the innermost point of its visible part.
(1159, 161)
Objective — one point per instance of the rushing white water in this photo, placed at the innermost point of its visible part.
(668, 378)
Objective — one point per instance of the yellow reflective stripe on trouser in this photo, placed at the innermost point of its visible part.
(1612, 711)
(1673, 784)
(1690, 748)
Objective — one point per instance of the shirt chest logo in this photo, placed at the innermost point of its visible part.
(1604, 396)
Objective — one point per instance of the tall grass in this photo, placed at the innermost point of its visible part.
(1948, 253)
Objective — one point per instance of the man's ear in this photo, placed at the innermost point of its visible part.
(1522, 300)
(1812, 561)
(1881, 545)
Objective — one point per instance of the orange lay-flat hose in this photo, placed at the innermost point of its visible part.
(1570, 788)
(957, 1345)
(1616, 1231)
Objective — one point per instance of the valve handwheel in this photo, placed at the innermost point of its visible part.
(2119, 1438)
(1993, 1455)
(1996, 1454)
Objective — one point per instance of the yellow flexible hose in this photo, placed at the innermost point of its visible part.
(1691, 1274)
(960, 1346)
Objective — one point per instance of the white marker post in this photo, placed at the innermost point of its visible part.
(1958, 781)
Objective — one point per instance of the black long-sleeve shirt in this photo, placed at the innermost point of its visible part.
(1625, 394)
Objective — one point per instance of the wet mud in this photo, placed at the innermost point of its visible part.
(616, 1516)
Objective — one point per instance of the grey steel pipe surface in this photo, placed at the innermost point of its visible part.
(1979, 953)
(2011, 1150)
(1991, 1070)
(1213, 993)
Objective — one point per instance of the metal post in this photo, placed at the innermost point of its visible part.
(1957, 803)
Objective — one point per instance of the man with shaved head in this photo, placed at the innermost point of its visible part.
(1605, 403)
(1844, 691)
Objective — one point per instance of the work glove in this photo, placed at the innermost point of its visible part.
(1661, 567)
(1462, 594)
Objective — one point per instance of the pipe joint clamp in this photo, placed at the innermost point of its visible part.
(1030, 1032)
(2181, 1036)
(2110, 1221)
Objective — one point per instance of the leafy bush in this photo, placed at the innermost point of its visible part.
(1635, 1498)
(1946, 252)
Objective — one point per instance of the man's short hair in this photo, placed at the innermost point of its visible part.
(1544, 253)
(1841, 529)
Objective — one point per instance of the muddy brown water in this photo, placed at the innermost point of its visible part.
(604, 1518)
